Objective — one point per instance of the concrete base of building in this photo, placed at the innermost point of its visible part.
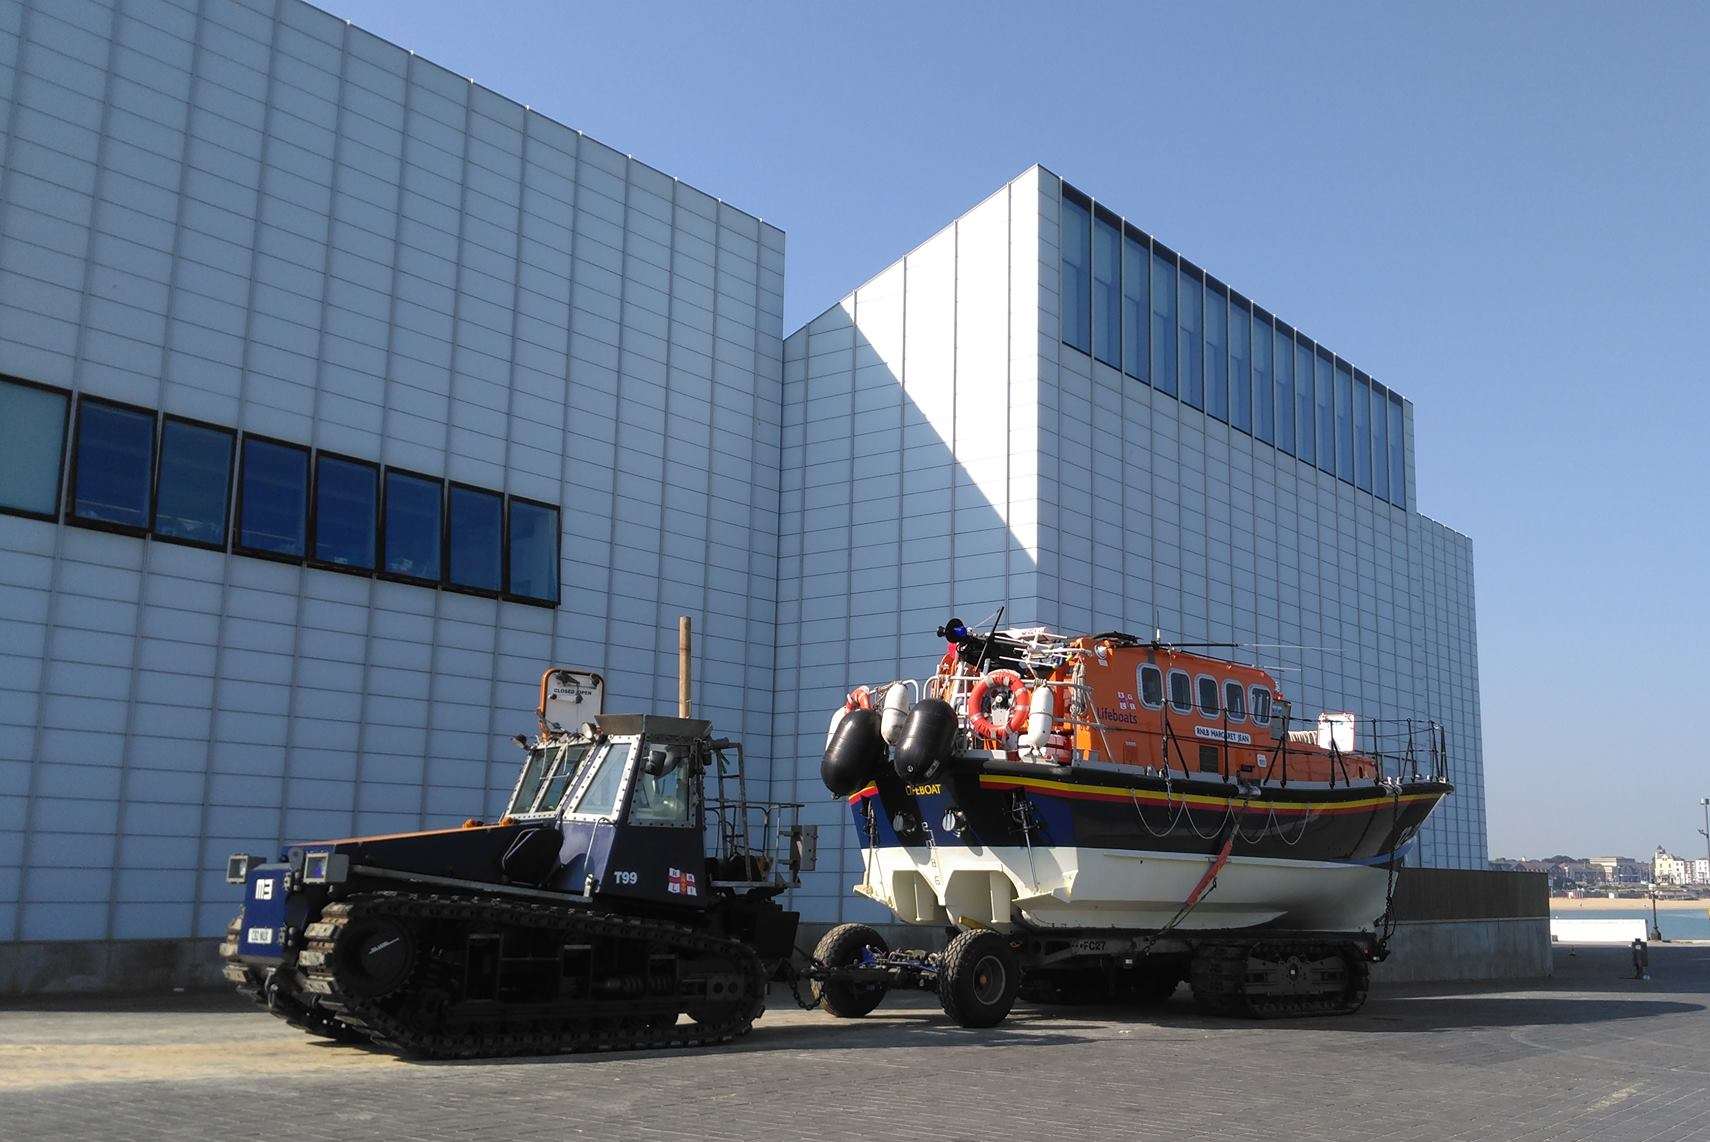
(1422, 952)
(1443, 951)
(110, 967)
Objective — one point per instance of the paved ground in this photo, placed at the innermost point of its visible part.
(1588, 1055)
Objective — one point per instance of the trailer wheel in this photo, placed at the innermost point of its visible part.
(841, 947)
(978, 978)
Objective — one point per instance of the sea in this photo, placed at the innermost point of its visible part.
(1676, 924)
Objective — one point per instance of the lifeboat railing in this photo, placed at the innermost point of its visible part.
(1397, 749)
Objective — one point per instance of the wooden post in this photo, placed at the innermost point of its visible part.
(683, 644)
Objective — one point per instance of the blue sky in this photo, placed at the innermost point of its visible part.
(1503, 211)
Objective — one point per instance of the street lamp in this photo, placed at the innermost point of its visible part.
(1705, 801)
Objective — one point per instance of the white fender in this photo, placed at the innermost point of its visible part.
(837, 717)
(894, 716)
(1039, 718)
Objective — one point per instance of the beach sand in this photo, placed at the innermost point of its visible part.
(1559, 904)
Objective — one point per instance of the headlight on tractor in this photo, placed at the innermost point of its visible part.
(238, 866)
(325, 868)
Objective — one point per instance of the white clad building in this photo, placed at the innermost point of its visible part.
(1041, 407)
(340, 395)
(382, 393)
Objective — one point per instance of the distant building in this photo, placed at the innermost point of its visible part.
(1701, 871)
(1666, 868)
(1618, 870)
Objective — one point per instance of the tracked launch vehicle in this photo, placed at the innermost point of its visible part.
(626, 898)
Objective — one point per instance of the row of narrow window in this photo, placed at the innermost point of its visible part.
(137, 472)
(1136, 306)
(1203, 694)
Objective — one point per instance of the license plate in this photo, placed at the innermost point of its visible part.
(259, 936)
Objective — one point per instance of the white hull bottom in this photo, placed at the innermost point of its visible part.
(1081, 888)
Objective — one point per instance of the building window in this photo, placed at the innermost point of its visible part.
(1282, 364)
(411, 536)
(474, 534)
(1181, 692)
(273, 499)
(1208, 696)
(1234, 700)
(1303, 413)
(1380, 440)
(1324, 392)
(532, 551)
(1217, 351)
(192, 495)
(1240, 382)
(32, 448)
(1136, 310)
(1077, 271)
(1362, 432)
(112, 466)
(1151, 686)
(1397, 454)
(347, 512)
(1107, 290)
(1344, 422)
(1261, 704)
(1264, 412)
(1163, 321)
(1190, 351)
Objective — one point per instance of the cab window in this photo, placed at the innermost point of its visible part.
(663, 791)
(1234, 700)
(534, 772)
(1261, 704)
(1208, 696)
(564, 770)
(600, 798)
(1181, 692)
(1151, 686)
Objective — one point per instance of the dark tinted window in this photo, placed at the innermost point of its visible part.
(274, 500)
(1107, 292)
(1362, 433)
(1345, 422)
(1190, 350)
(413, 520)
(1261, 704)
(1136, 311)
(1181, 692)
(1324, 389)
(1397, 454)
(1208, 696)
(1077, 274)
(533, 551)
(1380, 440)
(474, 530)
(1216, 353)
(1209, 757)
(1152, 686)
(1282, 368)
(1240, 383)
(1163, 324)
(194, 489)
(1234, 699)
(1303, 435)
(347, 497)
(114, 464)
(1264, 416)
(32, 447)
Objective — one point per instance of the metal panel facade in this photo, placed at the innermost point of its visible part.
(256, 215)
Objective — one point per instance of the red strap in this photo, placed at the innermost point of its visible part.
(1217, 864)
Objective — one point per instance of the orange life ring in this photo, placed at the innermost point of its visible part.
(1020, 701)
(859, 698)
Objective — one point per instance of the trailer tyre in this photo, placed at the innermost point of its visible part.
(842, 947)
(978, 978)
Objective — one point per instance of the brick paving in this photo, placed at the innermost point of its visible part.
(1588, 1055)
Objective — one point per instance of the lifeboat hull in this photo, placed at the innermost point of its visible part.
(1017, 845)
